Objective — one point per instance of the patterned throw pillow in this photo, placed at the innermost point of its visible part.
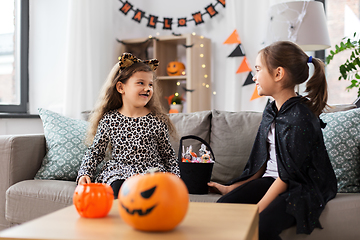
(342, 141)
(64, 145)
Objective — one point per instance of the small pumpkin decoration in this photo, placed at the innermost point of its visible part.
(93, 200)
(175, 68)
(153, 201)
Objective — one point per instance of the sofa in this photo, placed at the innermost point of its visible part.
(31, 187)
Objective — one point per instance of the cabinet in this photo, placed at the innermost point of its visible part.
(194, 52)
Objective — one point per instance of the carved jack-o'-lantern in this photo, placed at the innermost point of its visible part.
(93, 200)
(175, 68)
(153, 202)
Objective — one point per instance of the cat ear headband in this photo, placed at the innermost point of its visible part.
(127, 59)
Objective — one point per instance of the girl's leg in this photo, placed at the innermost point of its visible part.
(116, 187)
(250, 192)
(274, 219)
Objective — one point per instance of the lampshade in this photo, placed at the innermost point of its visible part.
(302, 22)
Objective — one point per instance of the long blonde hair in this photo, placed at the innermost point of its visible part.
(110, 99)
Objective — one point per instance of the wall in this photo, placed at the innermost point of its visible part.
(51, 23)
(13, 126)
(48, 36)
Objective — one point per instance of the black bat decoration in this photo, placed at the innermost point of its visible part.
(188, 90)
(188, 46)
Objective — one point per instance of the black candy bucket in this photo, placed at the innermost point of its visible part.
(195, 175)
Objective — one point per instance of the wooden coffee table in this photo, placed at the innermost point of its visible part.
(203, 221)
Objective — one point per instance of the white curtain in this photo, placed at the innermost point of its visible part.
(89, 53)
(249, 18)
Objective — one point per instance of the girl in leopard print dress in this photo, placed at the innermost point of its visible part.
(129, 118)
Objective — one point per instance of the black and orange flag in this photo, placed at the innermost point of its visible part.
(238, 52)
(234, 38)
(244, 66)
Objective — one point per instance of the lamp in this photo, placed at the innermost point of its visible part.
(302, 22)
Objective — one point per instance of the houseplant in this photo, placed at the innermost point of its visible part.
(350, 69)
(175, 102)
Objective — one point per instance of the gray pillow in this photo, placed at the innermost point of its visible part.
(197, 123)
(232, 137)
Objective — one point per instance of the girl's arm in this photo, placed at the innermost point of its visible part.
(167, 152)
(95, 153)
(224, 189)
(275, 189)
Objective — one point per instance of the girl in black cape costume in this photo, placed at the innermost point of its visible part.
(305, 180)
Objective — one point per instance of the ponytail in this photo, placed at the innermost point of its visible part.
(316, 88)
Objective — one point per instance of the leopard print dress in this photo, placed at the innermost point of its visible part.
(138, 144)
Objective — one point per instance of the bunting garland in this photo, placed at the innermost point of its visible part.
(233, 38)
(244, 66)
(238, 52)
(168, 23)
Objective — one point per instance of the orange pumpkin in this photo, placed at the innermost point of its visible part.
(154, 201)
(173, 111)
(175, 68)
(93, 200)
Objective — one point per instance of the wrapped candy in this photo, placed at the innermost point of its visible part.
(190, 156)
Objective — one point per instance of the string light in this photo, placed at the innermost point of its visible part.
(193, 33)
(201, 55)
(202, 37)
(176, 94)
(207, 86)
(203, 84)
(205, 76)
(178, 83)
(150, 36)
(214, 93)
(201, 45)
(203, 66)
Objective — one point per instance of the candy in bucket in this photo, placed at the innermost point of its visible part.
(190, 156)
(196, 169)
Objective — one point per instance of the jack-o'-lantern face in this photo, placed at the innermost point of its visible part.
(144, 195)
(153, 202)
(175, 68)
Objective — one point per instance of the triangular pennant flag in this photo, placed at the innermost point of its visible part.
(249, 79)
(237, 52)
(244, 67)
(234, 38)
(255, 95)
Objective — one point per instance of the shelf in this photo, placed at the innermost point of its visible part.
(194, 52)
(171, 77)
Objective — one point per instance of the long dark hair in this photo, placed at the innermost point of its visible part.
(294, 60)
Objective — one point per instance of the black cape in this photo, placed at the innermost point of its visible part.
(302, 159)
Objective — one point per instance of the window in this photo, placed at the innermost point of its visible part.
(14, 38)
(343, 20)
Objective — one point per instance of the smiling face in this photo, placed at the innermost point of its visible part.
(265, 81)
(138, 89)
(175, 68)
(153, 202)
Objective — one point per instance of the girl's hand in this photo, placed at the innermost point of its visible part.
(219, 188)
(84, 179)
